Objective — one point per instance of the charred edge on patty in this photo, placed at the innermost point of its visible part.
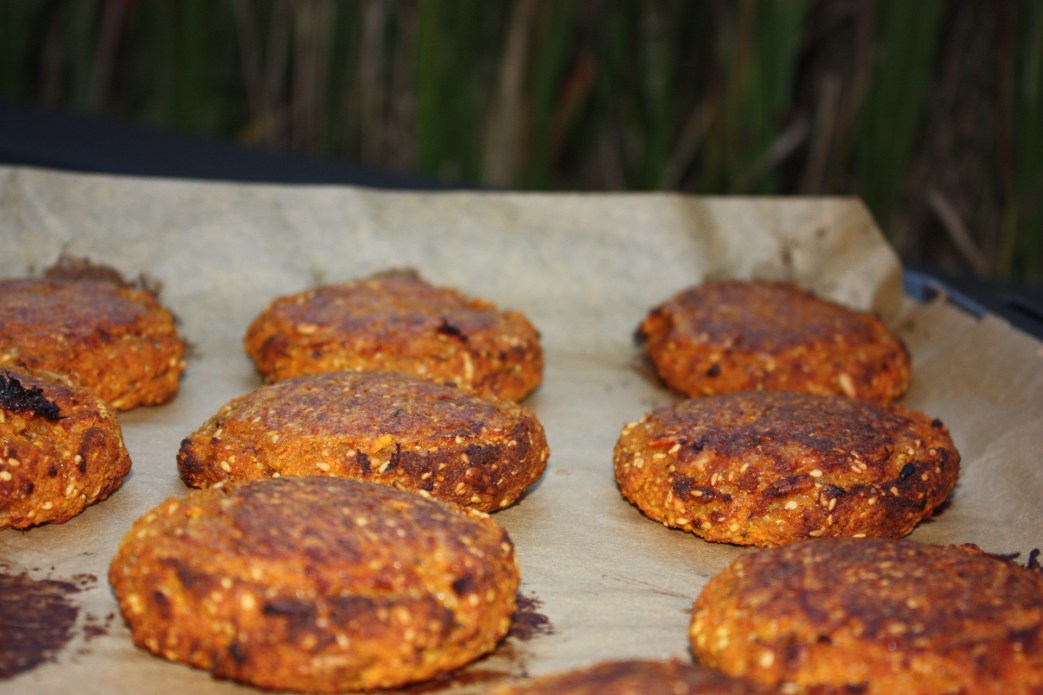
(446, 328)
(639, 337)
(18, 399)
(396, 457)
(188, 465)
(1031, 563)
(363, 462)
(74, 269)
(83, 269)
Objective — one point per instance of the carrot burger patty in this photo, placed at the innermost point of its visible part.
(116, 340)
(396, 321)
(315, 584)
(766, 468)
(874, 616)
(746, 335)
(61, 449)
(386, 428)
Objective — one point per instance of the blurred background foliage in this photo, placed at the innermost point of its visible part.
(931, 111)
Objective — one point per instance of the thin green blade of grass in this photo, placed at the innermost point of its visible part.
(1022, 233)
(368, 90)
(749, 96)
(611, 106)
(689, 111)
(21, 23)
(550, 61)
(172, 53)
(81, 21)
(503, 129)
(444, 98)
(780, 32)
(429, 113)
(482, 31)
(659, 60)
(341, 63)
(892, 115)
(770, 44)
(313, 31)
(150, 62)
(720, 32)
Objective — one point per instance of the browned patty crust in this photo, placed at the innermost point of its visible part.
(397, 322)
(767, 468)
(874, 616)
(385, 428)
(735, 335)
(61, 449)
(315, 584)
(118, 341)
(634, 677)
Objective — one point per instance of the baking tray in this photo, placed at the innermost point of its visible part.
(599, 580)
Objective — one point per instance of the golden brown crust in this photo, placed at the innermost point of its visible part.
(767, 468)
(61, 449)
(315, 584)
(385, 428)
(730, 336)
(396, 322)
(116, 340)
(874, 616)
(634, 677)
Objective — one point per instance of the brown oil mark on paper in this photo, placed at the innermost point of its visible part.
(527, 622)
(1032, 562)
(506, 662)
(38, 618)
(456, 679)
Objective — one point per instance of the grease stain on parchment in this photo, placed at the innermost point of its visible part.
(39, 617)
(527, 623)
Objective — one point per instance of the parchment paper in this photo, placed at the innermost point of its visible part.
(585, 268)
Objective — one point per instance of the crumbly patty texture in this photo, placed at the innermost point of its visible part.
(380, 427)
(634, 677)
(61, 449)
(874, 616)
(397, 322)
(767, 468)
(734, 335)
(315, 584)
(118, 341)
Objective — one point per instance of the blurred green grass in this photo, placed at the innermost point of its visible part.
(931, 111)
